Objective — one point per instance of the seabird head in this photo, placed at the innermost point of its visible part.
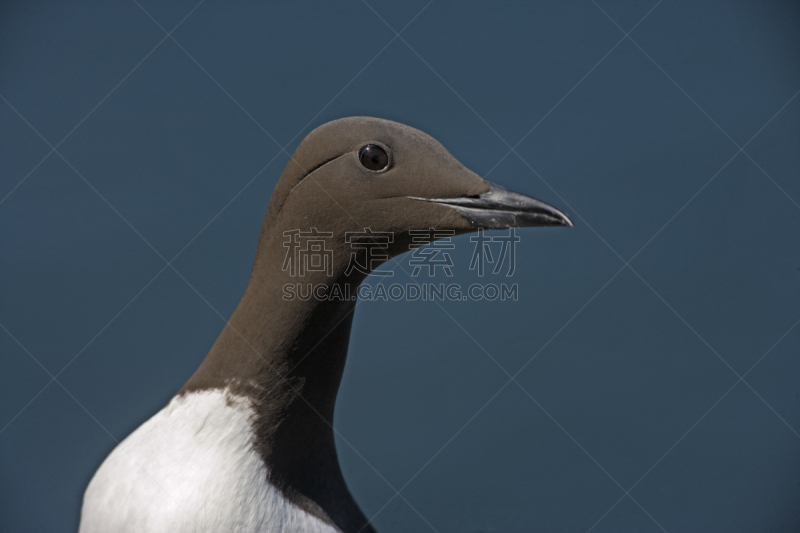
(363, 172)
(288, 354)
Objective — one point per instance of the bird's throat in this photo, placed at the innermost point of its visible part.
(287, 355)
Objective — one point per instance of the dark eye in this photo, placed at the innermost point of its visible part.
(373, 157)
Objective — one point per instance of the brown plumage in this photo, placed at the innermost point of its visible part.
(287, 356)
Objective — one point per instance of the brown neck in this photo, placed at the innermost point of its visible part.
(277, 335)
(288, 354)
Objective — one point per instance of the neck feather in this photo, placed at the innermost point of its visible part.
(287, 356)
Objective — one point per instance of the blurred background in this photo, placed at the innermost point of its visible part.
(647, 378)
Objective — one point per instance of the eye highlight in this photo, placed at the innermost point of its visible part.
(373, 157)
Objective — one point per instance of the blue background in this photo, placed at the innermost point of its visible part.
(675, 150)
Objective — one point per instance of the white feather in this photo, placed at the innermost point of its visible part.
(191, 468)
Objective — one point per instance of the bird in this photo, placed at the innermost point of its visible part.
(247, 444)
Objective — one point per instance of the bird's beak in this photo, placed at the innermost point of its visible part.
(499, 208)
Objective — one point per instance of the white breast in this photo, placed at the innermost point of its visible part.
(191, 467)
